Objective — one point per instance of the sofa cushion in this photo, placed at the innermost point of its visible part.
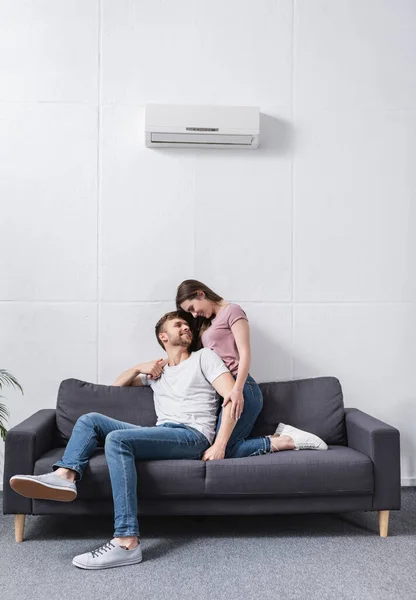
(315, 405)
(155, 477)
(334, 472)
(75, 398)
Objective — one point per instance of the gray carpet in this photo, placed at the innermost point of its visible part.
(292, 557)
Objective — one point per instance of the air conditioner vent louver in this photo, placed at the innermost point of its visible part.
(192, 138)
(218, 126)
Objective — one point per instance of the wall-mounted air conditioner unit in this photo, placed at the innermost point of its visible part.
(173, 126)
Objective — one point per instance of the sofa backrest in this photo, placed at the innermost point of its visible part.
(315, 405)
(75, 398)
(312, 404)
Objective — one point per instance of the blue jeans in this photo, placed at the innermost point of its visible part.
(125, 443)
(239, 444)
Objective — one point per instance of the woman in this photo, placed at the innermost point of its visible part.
(223, 327)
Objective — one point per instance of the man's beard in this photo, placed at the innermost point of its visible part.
(182, 341)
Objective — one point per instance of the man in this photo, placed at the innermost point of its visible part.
(186, 405)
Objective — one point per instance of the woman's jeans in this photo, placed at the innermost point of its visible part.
(125, 443)
(239, 444)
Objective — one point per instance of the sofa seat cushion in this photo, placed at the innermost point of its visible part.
(337, 471)
(155, 478)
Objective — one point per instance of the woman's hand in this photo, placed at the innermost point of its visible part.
(153, 368)
(237, 399)
(213, 453)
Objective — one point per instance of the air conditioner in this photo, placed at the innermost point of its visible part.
(174, 126)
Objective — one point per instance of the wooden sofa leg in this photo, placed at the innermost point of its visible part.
(19, 527)
(383, 521)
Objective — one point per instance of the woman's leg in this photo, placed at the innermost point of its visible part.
(253, 403)
(240, 445)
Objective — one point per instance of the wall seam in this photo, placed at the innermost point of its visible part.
(292, 249)
(99, 173)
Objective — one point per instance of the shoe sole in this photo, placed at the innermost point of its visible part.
(307, 447)
(92, 568)
(314, 444)
(31, 488)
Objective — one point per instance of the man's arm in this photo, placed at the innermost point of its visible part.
(224, 385)
(127, 377)
(131, 377)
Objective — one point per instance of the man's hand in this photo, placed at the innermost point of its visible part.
(153, 368)
(214, 453)
(237, 399)
(131, 377)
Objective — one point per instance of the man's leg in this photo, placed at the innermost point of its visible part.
(88, 431)
(60, 485)
(122, 449)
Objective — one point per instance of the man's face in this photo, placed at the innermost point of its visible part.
(176, 333)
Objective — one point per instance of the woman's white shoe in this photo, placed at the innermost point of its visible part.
(303, 440)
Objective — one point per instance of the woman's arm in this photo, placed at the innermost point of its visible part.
(241, 332)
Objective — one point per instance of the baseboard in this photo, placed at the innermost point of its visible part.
(408, 481)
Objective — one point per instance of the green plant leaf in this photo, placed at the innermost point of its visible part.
(4, 411)
(3, 431)
(7, 378)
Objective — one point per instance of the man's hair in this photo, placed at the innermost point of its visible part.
(159, 328)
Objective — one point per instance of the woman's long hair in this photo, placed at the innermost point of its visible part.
(188, 290)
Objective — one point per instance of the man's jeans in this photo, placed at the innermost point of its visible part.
(239, 444)
(124, 444)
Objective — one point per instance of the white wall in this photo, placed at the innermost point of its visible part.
(313, 233)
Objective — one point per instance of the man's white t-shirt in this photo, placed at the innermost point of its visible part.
(184, 394)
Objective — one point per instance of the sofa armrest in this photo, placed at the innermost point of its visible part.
(25, 443)
(381, 442)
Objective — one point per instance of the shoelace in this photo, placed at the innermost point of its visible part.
(98, 551)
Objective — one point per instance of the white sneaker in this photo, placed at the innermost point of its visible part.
(302, 439)
(44, 487)
(108, 555)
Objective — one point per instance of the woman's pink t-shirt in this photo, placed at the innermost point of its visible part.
(220, 338)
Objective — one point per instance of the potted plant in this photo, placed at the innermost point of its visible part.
(6, 378)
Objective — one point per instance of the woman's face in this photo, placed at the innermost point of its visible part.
(198, 306)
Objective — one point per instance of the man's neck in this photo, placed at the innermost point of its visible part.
(176, 355)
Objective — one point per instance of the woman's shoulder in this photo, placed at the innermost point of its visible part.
(231, 313)
(236, 309)
(231, 307)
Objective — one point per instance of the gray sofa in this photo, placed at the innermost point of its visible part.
(359, 472)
